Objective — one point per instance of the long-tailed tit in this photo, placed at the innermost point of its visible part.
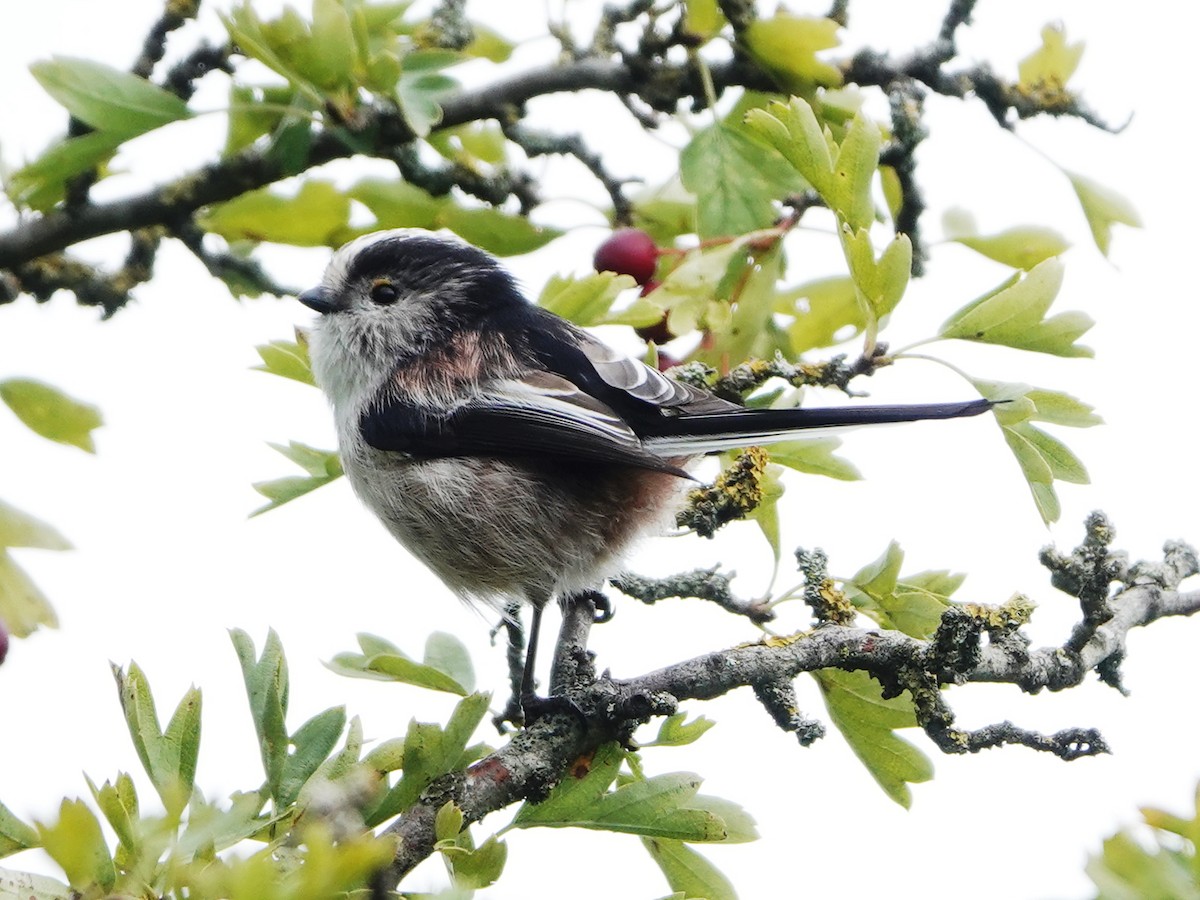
(515, 455)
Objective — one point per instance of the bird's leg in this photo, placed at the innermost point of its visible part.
(533, 706)
(514, 653)
(527, 677)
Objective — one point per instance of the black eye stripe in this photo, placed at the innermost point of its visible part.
(384, 293)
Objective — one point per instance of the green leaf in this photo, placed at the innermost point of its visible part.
(735, 180)
(495, 231)
(687, 872)
(853, 173)
(313, 742)
(19, 529)
(826, 312)
(448, 654)
(1022, 247)
(40, 184)
(1103, 208)
(881, 283)
(23, 607)
(77, 844)
(422, 87)
(703, 18)
(322, 466)
(911, 604)
(14, 835)
(786, 46)
(169, 758)
(766, 513)
(119, 805)
(868, 722)
(447, 667)
(794, 131)
(397, 204)
(317, 216)
(585, 300)
(429, 752)
(479, 868)
(816, 457)
(662, 806)
(287, 359)
(675, 732)
(665, 212)
(1014, 315)
(51, 413)
(266, 680)
(1061, 409)
(108, 99)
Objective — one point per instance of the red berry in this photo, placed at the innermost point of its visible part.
(628, 251)
(3, 642)
(659, 333)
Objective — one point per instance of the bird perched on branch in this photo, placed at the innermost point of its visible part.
(514, 454)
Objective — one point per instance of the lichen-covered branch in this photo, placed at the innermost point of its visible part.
(702, 584)
(973, 644)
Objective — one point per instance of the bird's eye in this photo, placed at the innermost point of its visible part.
(384, 293)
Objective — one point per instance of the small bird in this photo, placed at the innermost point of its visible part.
(514, 454)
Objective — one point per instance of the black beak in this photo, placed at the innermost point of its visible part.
(318, 298)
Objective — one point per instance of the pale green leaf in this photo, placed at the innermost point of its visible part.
(1050, 67)
(480, 867)
(794, 131)
(448, 654)
(827, 312)
(23, 607)
(676, 732)
(51, 413)
(868, 722)
(266, 680)
(14, 835)
(816, 457)
(287, 359)
(397, 204)
(108, 99)
(19, 529)
(687, 872)
(28, 886)
(1022, 247)
(787, 45)
(853, 173)
(1103, 208)
(703, 18)
(76, 843)
(312, 743)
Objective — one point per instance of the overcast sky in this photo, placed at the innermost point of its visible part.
(167, 561)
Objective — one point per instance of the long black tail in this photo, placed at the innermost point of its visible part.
(711, 433)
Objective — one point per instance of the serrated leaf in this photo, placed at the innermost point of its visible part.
(868, 722)
(421, 88)
(794, 131)
(287, 359)
(786, 46)
(23, 607)
(20, 529)
(1103, 208)
(76, 843)
(316, 216)
(14, 835)
(106, 98)
(881, 283)
(687, 872)
(816, 457)
(118, 804)
(495, 231)
(1014, 315)
(49, 412)
(1062, 409)
(448, 822)
(576, 793)
(735, 179)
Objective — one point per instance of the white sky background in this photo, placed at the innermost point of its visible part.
(167, 561)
